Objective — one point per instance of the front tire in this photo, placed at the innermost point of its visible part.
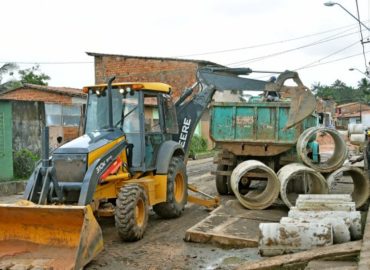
(131, 216)
(177, 192)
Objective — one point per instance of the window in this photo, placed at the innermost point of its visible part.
(151, 111)
(170, 117)
(62, 115)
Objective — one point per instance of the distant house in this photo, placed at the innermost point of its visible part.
(179, 73)
(354, 112)
(326, 111)
(24, 111)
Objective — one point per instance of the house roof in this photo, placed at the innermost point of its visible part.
(204, 62)
(348, 104)
(60, 90)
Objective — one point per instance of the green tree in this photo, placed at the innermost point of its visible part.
(7, 69)
(339, 91)
(364, 86)
(33, 75)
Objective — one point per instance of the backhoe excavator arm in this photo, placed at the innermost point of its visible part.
(212, 79)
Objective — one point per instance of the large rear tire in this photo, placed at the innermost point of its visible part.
(131, 216)
(221, 181)
(177, 192)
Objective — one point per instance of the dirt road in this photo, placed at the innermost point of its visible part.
(163, 246)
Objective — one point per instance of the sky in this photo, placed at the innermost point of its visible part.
(320, 42)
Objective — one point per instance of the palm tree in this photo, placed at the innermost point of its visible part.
(7, 69)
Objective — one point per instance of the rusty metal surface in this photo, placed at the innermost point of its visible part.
(253, 148)
(58, 237)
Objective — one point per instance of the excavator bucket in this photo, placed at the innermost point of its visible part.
(48, 236)
(303, 103)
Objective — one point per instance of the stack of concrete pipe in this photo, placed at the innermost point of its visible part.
(298, 178)
(316, 221)
(356, 133)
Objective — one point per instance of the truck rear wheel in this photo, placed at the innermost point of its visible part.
(221, 181)
(177, 193)
(131, 216)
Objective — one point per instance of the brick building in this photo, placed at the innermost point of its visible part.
(179, 73)
(24, 111)
(352, 113)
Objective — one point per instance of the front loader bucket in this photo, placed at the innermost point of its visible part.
(48, 236)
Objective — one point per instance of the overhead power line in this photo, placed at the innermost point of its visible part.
(318, 42)
(266, 44)
(328, 56)
(48, 63)
(335, 60)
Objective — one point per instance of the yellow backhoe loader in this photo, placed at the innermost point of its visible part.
(132, 156)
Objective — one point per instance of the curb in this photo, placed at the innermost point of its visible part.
(12, 187)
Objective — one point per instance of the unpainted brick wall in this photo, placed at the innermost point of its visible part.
(178, 74)
(25, 94)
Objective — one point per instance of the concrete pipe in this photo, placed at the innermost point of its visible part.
(326, 202)
(253, 199)
(341, 232)
(351, 218)
(295, 178)
(277, 239)
(360, 181)
(344, 134)
(336, 159)
(356, 129)
(325, 198)
(357, 139)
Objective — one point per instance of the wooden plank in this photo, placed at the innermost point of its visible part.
(364, 261)
(302, 258)
(337, 265)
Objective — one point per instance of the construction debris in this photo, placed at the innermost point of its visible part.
(299, 260)
(282, 238)
(307, 228)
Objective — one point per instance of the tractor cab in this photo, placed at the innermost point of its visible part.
(143, 112)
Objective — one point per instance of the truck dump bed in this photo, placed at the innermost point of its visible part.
(255, 128)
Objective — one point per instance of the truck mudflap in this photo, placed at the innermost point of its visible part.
(48, 236)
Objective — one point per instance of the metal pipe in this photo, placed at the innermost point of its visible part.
(330, 4)
(45, 147)
(110, 103)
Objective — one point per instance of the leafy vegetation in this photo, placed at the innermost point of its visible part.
(33, 75)
(197, 145)
(30, 75)
(23, 163)
(341, 93)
